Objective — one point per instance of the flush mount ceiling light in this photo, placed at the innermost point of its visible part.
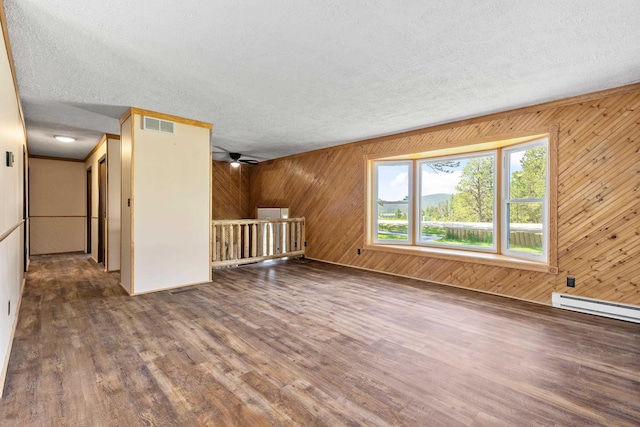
(62, 138)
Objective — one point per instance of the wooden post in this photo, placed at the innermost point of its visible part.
(239, 242)
(254, 240)
(246, 241)
(215, 245)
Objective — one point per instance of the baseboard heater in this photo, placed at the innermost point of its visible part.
(630, 313)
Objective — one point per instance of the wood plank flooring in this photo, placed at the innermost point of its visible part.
(305, 343)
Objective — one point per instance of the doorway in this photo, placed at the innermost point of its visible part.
(89, 182)
(102, 209)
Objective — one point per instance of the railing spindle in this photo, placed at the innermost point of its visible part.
(237, 242)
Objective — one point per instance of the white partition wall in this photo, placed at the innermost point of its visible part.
(166, 197)
(126, 214)
(113, 202)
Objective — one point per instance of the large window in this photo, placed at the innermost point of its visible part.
(458, 202)
(491, 201)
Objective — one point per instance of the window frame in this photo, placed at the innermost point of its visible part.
(497, 142)
(410, 204)
(506, 199)
(494, 229)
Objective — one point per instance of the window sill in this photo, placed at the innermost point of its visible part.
(466, 256)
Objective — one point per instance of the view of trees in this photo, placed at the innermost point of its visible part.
(529, 183)
(473, 197)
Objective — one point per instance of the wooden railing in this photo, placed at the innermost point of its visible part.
(244, 241)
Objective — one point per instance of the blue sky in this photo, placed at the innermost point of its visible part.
(393, 179)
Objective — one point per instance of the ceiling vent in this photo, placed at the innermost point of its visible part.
(164, 126)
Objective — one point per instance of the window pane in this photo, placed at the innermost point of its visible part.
(528, 172)
(392, 201)
(525, 227)
(457, 201)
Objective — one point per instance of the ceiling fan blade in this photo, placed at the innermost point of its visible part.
(222, 150)
(249, 161)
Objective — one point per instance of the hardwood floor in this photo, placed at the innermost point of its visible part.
(305, 343)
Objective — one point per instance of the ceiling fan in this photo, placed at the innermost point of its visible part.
(236, 160)
(221, 153)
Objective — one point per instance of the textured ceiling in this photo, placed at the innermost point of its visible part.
(282, 77)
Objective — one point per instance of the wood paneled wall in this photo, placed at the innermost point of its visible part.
(598, 199)
(230, 191)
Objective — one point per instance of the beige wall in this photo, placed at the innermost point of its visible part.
(113, 204)
(171, 207)
(12, 139)
(57, 206)
(126, 165)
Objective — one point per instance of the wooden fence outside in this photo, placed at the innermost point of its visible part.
(245, 241)
(520, 238)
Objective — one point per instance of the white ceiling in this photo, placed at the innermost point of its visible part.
(282, 77)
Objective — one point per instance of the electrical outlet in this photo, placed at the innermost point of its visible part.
(571, 282)
(305, 244)
(359, 251)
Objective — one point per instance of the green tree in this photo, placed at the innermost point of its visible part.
(473, 200)
(530, 182)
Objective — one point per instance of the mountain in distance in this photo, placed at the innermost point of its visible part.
(429, 200)
(434, 199)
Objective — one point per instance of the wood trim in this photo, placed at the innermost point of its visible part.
(484, 258)
(552, 199)
(228, 263)
(106, 208)
(59, 159)
(210, 206)
(497, 238)
(254, 221)
(430, 281)
(58, 216)
(621, 90)
(474, 145)
(8, 233)
(132, 266)
(163, 116)
(103, 140)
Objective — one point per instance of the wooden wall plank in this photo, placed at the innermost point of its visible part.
(598, 198)
(230, 191)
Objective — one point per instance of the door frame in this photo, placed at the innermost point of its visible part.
(89, 210)
(102, 210)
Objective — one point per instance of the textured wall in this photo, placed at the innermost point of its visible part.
(598, 199)
(230, 191)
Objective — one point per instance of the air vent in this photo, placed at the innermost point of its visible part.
(150, 123)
